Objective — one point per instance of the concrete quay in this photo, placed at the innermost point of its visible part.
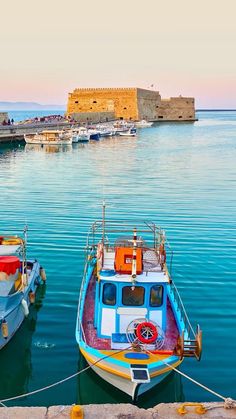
(121, 411)
(16, 132)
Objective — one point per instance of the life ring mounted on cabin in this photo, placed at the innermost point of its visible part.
(141, 332)
(147, 332)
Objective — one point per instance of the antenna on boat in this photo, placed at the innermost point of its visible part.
(103, 221)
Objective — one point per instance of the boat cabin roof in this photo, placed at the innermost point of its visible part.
(152, 277)
(150, 272)
(54, 132)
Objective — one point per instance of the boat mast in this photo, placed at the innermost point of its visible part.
(103, 221)
(134, 259)
(24, 257)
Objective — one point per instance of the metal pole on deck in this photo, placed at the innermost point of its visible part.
(103, 221)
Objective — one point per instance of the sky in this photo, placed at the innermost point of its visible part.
(49, 48)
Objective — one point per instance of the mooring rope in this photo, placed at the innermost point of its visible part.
(228, 402)
(61, 381)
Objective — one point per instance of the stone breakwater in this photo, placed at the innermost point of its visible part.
(119, 411)
(16, 132)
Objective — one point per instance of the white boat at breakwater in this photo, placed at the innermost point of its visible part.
(49, 137)
(143, 124)
(81, 135)
(131, 132)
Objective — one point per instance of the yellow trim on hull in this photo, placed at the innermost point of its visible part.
(121, 374)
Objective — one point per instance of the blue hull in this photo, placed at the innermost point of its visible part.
(95, 137)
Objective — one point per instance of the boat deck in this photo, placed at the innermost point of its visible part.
(101, 343)
(150, 261)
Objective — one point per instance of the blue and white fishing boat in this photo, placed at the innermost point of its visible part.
(94, 134)
(19, 278)
(132, 327)
(131, 132)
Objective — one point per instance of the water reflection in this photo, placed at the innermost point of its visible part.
(48, 148)
(169, 391)
(15, 357)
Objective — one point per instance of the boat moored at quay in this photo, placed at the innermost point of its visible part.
(80, 135)
(132, 327)
(19, 279)
(51, 137)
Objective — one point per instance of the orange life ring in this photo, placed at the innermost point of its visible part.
(147, 332)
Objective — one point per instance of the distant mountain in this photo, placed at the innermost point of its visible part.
(29, 106)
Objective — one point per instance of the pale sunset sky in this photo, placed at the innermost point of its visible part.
(185, 47)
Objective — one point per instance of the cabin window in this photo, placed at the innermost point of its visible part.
(109, 294)
(133, 297)
(156, 296)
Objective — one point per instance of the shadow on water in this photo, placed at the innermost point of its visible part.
(169, 391)
(10, 147)
(15, 357)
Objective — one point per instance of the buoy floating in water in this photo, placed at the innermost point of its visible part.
(25, 307)
(43, 274)
(4, 327)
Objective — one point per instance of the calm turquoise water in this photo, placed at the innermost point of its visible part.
(181, 176)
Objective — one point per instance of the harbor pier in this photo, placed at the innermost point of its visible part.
(124, 411)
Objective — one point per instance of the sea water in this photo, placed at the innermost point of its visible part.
(181, 176)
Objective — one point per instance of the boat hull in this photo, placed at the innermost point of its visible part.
(12, 310)
(54, 142)
(95, 137)
(134, 390)
(118, 374)
(80, 139)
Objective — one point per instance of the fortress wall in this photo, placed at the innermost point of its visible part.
(130, 104)
(121, 101)
(148, 101)
(93, 117)
(176, 109)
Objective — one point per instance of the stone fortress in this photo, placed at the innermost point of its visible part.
(131, 104)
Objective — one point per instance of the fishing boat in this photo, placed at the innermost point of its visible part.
(132, 327)
(143, 124)
(52, 137)
(80, 135)
(131, 132)
(19, 278)
(94, 134)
